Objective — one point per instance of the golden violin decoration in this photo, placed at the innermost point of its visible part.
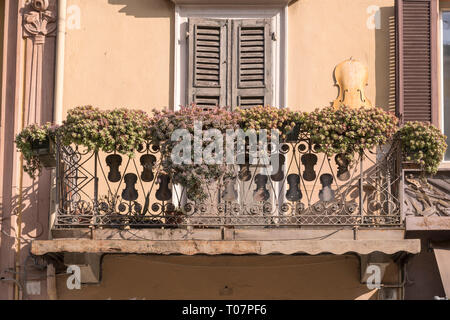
(351, 77)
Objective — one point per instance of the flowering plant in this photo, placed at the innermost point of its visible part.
(341, 130)
(30, 137)
(348, 131)
(283, 120)
(195, 177)
(423, 144)
(122, 130)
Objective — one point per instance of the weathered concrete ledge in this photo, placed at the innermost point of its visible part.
(235, 247)
(427, 223)
(330, 233)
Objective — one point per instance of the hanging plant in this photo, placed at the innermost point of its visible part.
(119, 130)
(423, 144)
(288, 123)
(347, 131)
(194, 177)
(36, 143)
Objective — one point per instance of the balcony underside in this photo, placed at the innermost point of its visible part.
(228, 241)
(234, 247)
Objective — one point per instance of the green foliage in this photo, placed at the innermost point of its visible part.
(121, 130)
(334, 130)
(268, 118)
(33, 134)
(195, 177)
(423, 144)
(348, 131)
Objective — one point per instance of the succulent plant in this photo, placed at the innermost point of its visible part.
(31, 134)
(268, 118)
(423, 144)
(341, 130)
(119, 130)
(194, 177)
(348, 131)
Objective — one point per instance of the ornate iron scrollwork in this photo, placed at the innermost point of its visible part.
(309, 189)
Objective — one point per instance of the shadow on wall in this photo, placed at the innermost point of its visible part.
(222, 278)
(153, 9)
(34, 222)
(385, 60)
(145, 9)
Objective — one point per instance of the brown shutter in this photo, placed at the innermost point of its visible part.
(207, 58)
(417, 81)
(251, 62)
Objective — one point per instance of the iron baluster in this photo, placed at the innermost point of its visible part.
(96, 209)
(361, 187)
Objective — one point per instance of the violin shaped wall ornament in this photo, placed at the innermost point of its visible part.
(113, 161)
(351, 77)
(230, 193)
(147, 163)
(261, 193)
(130, 193)
(309, 160)
(343, 174)
(326, 194)
(245, 173)
(294, 193)
(279, 175)
(163, 193)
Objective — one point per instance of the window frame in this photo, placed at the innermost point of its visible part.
(445, 164)
(279, 57)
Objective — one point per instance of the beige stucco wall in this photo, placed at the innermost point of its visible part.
(123, 56)
(227, 277)
(123, 53)
(323, 33)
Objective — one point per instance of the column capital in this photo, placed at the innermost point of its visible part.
(39, 20)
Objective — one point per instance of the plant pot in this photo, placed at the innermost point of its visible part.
(45, 150)
(411, 165)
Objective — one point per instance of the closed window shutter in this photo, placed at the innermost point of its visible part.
(207, 58)
(417, 82)
(251, 83)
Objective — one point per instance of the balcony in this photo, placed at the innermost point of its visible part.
(108, 202)
(99, 190)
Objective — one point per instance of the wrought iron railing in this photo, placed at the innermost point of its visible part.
(311, 189)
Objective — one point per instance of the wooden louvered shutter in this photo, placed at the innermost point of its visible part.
(417, 80)
(207, 58)
(251, 63)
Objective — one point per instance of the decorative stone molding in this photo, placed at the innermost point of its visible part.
(39, 20)
(427, 197)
